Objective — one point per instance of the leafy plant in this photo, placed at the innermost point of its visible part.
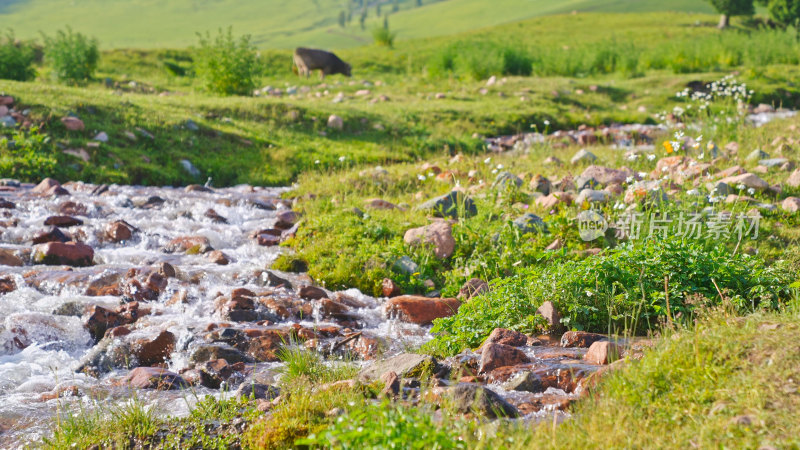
(72, 56)
(227, 66)
(383, 36)
(27, 155)
(16, 59)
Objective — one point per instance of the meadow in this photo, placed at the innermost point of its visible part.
(415, 122)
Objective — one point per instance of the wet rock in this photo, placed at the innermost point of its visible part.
(7, 258)
(197, 188)
(791, 204)
(421, 310)
(603, 352)
(472, 398)
(119, 231)
(5, 204)
(214, 373)
(151, 202)
(389, 288)
(499, 355)
(63, 221)
(100, 319)
(214, 216)
(64, 254)
(277, 281)
(265, 348)
(45, 186)
(189, 244)
(472, 288)
(405, 365)
(550, 313)
(286, 220)
(311, 292)
(7, 285)
(506, 337)
(217, 257)
(453, 205)
(438, 235)
(155, 378)
(257, 391)
(208, 352)
(73, 123)
(530, 223)
(525, 381)
(150, 351)
(166, 270)
(580, 339)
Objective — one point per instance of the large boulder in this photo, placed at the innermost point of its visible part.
(8, 258)
(580, 339)
(64, 254)
(405, 365)
(421, 310)
(438, 235)
(500, 355)
(603, 352)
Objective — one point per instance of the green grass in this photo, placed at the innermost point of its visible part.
(288, 24)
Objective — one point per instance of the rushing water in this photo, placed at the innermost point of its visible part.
(40, 350)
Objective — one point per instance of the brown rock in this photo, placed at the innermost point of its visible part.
(68, 254)
(215, 217)
(506, 337)
(580, 339)
(377, 203)
(605, 175)
(554, 200)
(421, 310)
(7, 285)
(391, 384)
(5, 204)
(150, 352)
(100, 319)
(794, 179)
(791, 204)
(217, 257)
(118, 231)
(286, 220)
(189, 244)
(52, 235)
(389, 288)
(62, 221)
(45, 185)
(311, 293)
(7, 258)
(603, 352)
(155, 378)
(438, 235)
(73, 123)
(499, 355)
(265, 348)
(550, 313)
(748, 180)
(70, 208)
(471, 288)
(166, 270)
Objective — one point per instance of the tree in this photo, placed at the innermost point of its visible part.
(784, 12)
(378, 10)
(342, 19)
(363, 19)
(729, 8)
(419, 2)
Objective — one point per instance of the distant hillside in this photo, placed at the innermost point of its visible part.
(289, 23)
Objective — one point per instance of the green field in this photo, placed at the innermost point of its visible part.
(288, 23)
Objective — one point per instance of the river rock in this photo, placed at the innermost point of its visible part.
(257, 391)
(45, 185)
(472, 398)
(506, 337)
(499, 355)
(389, 288)
(311, 292)
(603, 352)
(286, 219)
(119, 231)
(155, 378)
(421, 310)
(525, 381)
(550, 313)
(453, 205)
(406, 365)
(439, 235)
(580, 339)
(64, 254)
(7, 285)
(7, 258)
(208, 352)
(189, 244)
(63, 221)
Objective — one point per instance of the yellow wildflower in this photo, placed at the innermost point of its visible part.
(668, 146)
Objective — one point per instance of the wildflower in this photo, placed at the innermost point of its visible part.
(588, 293)
(651, 157)
(421, 177)
(487, 160)
(546, 122)
(740, 187)
(642, 174)
(692, 192)
(629, 180)
(342, 158)
(668, 147)
(499, 166)
(316, 162)
(751, 191)
(494, 171)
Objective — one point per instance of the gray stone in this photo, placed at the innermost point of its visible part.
(583, 155)
(405, 365)
(719, 188)
(584, 182)
(756, 155)
(530, 223)
(191, 125)
(190, 168)
(209, 352)
(8, 122)
(257, 391)
(469, 397)
(524, 381)
(506, 180)
(591, 196)
(406, 265)
(774, 162)
(450, 205)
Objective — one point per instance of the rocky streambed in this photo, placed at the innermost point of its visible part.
(165, 293)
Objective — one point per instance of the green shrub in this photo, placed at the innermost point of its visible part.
(622, 290)
(28, 155)
(16, 59)
(480, 60)
(383, 36)
(72, 56)
(227, 66)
